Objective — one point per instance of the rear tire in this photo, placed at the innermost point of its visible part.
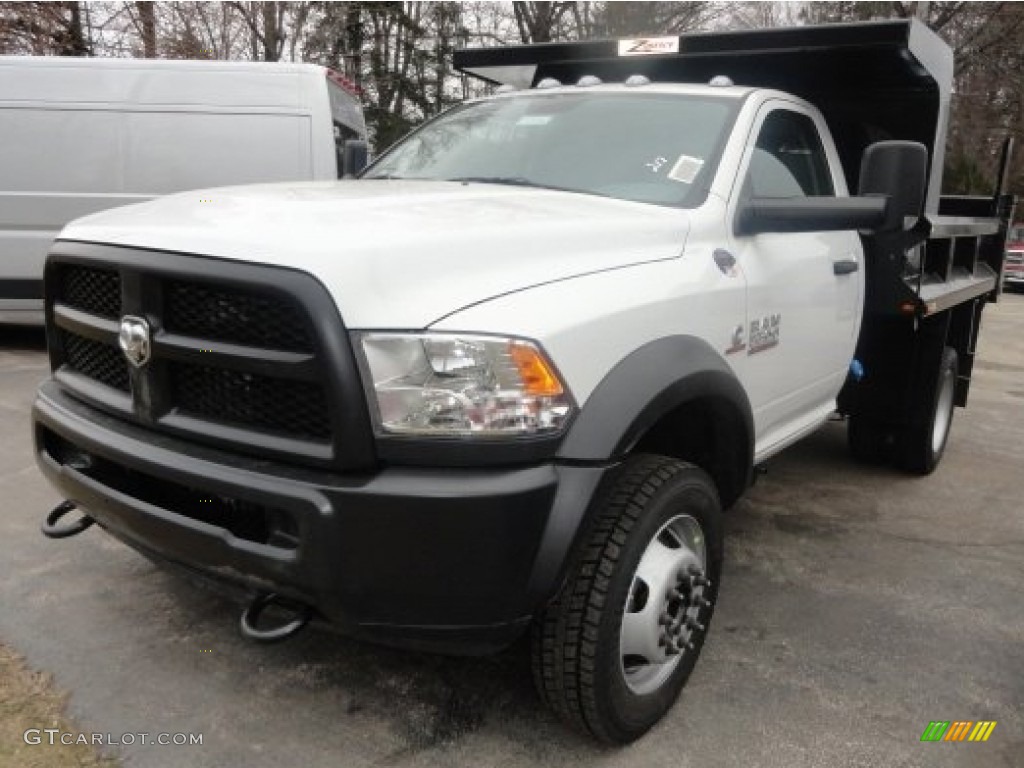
(642, 585)
(923, 442)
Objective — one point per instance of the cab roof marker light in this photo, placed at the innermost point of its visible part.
(636, 80)
(588, 80)
(548, 82)
(720, 81)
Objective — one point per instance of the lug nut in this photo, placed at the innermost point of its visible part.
(701, 602)
(694, 624)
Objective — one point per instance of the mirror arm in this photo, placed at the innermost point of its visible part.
(812, 214)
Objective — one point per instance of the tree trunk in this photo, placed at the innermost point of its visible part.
(147, 28)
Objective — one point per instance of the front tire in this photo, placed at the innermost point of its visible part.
(613, 650)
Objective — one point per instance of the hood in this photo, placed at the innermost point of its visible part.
(400, 254)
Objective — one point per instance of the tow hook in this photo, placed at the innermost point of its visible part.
(301, 614)
(50, 528)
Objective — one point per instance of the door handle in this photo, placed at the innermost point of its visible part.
(845, 266)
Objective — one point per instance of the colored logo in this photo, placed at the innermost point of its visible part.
(958, 730)
(647, 45)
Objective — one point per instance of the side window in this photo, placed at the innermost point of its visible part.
(788, 159)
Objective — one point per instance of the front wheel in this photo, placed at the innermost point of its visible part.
(612, 652)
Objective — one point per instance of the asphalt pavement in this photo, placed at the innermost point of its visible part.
(858, 604)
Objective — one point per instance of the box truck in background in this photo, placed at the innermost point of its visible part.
(79, 135)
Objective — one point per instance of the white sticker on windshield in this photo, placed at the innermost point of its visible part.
(534, 120)
(686, 169)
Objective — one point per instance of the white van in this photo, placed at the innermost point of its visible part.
(79, 135)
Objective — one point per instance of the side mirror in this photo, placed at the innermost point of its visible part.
(355, 156)
(898, 170)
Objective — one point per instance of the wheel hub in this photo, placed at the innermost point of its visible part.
(683, 603)
(662, 618)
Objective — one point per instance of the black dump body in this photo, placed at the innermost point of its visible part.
(873, 81)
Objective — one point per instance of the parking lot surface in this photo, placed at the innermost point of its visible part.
(858, 604)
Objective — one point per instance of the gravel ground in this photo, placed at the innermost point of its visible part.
(857, 605)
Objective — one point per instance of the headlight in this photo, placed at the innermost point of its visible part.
(447, 384)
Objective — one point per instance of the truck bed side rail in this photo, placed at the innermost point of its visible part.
(948, 259)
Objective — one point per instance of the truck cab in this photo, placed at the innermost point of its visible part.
(693, 155)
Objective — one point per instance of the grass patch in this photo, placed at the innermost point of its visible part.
(28, 699)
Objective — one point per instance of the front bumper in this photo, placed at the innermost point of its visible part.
(449, 560)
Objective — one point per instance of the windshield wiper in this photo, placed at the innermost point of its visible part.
(511, 181)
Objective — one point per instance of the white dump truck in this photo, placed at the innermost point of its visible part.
(508, 380)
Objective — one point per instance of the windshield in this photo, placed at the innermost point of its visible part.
(650, 148)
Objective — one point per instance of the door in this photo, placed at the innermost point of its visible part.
(803, 289)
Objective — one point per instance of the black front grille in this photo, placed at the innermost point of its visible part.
(295, 408)
(240, 317)
(96, 291)
(96, 360)
(239, 358)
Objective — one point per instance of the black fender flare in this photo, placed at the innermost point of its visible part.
(648, 384)
(645, 386)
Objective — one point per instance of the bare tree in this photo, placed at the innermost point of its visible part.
(143, 18)
(619, 19)
(540, 22)
(38, 28)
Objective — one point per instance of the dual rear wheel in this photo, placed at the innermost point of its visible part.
(918, 445)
